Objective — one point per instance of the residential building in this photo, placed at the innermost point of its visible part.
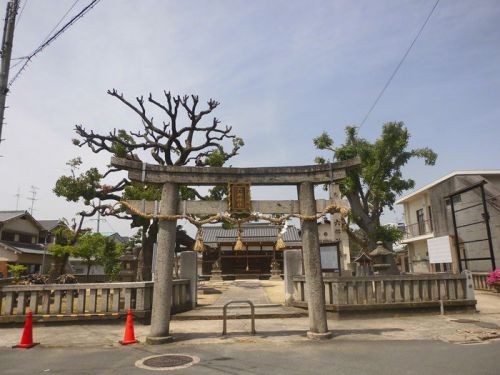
(24, 241)
(115, 237)
(463, 206)
(47, 236)
(20, 241)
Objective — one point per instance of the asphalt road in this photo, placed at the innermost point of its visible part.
(245, 357)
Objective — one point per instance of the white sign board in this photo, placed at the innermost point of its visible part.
(439, 249)
(329, 259)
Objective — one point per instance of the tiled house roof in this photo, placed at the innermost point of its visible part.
(9, 215)
(213, 235)
(50, 224)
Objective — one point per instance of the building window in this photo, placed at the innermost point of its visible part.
(456, 199)
(431, 227)
(8, 236)
(420, 221)
(443, 267)
(25, 238)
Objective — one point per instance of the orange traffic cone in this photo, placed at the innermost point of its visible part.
(27, 338)
(129, 337)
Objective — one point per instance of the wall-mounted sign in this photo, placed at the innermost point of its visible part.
(329, 253)
(439, 249)
(239, 198)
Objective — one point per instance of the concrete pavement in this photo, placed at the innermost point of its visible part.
(418, 344)
(290, 358)
(454, 328)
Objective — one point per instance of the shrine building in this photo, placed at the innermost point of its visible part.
(259, 249)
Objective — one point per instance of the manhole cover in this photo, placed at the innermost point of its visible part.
(167, 362)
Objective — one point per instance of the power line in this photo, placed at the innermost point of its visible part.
(398, 66)
(48, 41)
(60, 21)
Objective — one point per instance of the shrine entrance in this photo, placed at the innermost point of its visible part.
(237, 210)
(261, 256)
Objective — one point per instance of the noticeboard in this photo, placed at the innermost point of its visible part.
(329, 256)
(439, 249)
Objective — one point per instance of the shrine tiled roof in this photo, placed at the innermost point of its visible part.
(213, 235)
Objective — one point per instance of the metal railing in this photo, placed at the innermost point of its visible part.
(418, 229)
(252, 316)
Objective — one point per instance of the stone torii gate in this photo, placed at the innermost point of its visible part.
(304, 177)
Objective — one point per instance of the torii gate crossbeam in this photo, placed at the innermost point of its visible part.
(304, 177)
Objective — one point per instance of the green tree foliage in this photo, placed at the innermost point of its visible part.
(181, 138)
(96, 249)
(63, 247)
(89, 248)
(17, 271)
(374, 185)
(109, 258)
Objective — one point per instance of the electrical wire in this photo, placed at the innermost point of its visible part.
(398, 66)
(51, 31)
(50, 39)
(60, 21)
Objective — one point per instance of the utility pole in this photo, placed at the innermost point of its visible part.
(33, 198)
(18, 195)
(99, 219)
(8, 37)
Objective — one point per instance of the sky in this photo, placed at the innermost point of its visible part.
(283, 71)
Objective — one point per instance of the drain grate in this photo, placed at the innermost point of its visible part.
(167, 362)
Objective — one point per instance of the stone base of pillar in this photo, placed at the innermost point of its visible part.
(216, 276)
(275, 275)
(319, 336)
(156, 340)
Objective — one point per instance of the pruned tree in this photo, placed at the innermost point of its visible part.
(89, 249)
(181, 138)
(373, 187)
(64, 245)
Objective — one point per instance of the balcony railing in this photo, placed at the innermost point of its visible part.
(418, 229)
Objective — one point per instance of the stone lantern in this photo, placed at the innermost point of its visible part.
(129, 267)
(384, 262)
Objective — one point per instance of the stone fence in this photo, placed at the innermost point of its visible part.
(391, 292)
(384, 292)
(479, 279)
(85, 301)
(89, 301)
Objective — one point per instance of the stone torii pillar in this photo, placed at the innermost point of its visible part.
(304, 177)
(315, 290)
(164, 265)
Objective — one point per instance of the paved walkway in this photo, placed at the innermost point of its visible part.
(251, 290)
(266, 296)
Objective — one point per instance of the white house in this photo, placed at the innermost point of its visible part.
(454, 209)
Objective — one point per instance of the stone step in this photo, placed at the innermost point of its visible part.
(240, 306)
(261, 312)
